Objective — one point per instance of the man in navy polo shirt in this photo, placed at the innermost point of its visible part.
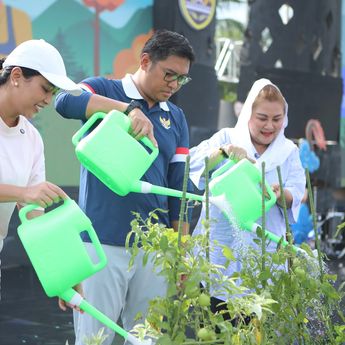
(164, 65)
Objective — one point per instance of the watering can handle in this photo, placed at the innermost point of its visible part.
(271, 200)
(98, 247)
(149, 144)
(88, 124)
(25, 210)
(125, 123)
(28, 208)
(223, 168)
(270, 193)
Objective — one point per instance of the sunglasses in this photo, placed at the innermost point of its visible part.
(181, 79)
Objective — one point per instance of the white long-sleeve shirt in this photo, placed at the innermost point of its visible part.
(221, 230)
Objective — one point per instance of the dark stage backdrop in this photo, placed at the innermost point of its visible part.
(309, 96)
(200, 98)
(298, 48)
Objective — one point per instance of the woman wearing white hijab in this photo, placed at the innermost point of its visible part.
(258, 136)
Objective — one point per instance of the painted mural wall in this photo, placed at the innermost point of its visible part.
(95, 37)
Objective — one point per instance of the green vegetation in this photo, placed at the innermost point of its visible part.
(290, 299)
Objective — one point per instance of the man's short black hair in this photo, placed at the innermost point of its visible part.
(165, 43)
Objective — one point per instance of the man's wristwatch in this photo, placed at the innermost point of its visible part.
(132, 105)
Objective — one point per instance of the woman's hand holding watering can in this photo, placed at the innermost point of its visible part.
(141, 125)
(235, 153)
(278, 192)
(43, 194)
(229, 151)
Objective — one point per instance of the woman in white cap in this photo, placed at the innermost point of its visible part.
(29, 77)
(258, 136)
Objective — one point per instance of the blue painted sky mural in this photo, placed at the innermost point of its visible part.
(69, 26)
(116, 18)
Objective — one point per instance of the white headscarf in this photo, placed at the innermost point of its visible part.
(280, 148)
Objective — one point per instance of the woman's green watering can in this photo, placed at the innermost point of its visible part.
(236, 189)
(55, 248)
(238, 185)
(111, 153)
(59, 257)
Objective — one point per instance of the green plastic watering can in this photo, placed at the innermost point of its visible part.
(240, 185)
(119, 161)
(236, 189)
(55, 248)
(111, 154)
(59, 257)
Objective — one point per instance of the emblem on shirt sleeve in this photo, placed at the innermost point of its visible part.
(165, 122)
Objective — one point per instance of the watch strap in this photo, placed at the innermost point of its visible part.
(132, 105)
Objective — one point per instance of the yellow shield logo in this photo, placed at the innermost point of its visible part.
(198, 13)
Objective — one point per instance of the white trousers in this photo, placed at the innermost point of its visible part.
(117, 292)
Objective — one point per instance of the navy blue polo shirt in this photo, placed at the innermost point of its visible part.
(111, 214)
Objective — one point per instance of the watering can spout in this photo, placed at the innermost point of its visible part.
(312, 261)
(146, 187)
(252, 227)
(275, 238)
(71, 296)
(74, 298)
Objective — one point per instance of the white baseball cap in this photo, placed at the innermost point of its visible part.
(42, 57)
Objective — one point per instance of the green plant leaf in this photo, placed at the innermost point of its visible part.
(228, 254)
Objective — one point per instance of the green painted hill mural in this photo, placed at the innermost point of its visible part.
(69, 26)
